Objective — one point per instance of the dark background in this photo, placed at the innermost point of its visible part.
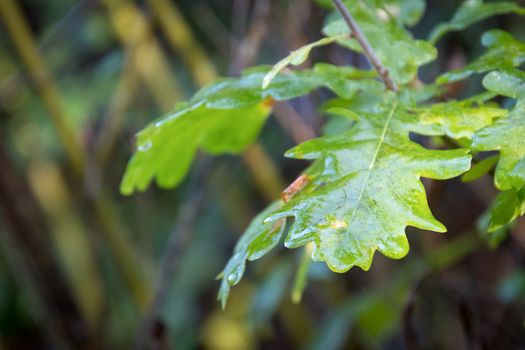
(79, 262)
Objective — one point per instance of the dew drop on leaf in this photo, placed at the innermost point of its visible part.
(144, 147)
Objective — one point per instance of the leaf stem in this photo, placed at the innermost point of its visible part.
(365, 45)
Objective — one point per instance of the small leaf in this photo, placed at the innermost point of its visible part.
(503, 52)
(408, 12)
(480, 168)
(509, 83)
(506, 135)
(395, 47)
(258, 239)
(343, 112)
(472, 11)
(368, 191)
(507, 206)
(295, 58)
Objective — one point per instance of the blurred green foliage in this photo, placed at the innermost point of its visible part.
(110, 67)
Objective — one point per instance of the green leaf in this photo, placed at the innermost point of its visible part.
(393, 44)
(480, 168)
(258, 239)
(244, 91)
(368, 191)
(408, 12)
(506, 135)
(166, 148)
(491, 239)
(472, 11)
(510, 82)
(224, 117)
(328, 4)
(503, 52)
(295, 58)
(456, 119)
(507, 206)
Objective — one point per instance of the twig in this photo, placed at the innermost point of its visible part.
(181, 38)
(250, 40)
(214, 29)
(409, 332)
(178, 241)
(148, 57)
(114, 118)
(292, 122)
(365, 45)
(263, 170)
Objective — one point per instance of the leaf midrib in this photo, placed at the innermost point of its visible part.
(372, 163)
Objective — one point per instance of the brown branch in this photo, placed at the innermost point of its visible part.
(247, 48)
(365, 45)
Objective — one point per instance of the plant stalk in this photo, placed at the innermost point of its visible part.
(365, 45)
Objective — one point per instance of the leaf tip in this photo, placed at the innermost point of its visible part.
(126, 188)
(296, 297)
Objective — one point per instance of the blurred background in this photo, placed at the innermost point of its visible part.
(83, 267)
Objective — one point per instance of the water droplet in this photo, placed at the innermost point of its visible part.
(232, 277)
(144, 147)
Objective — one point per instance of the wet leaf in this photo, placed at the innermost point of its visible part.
(295, 58)
(507, 206)
(506, 135)
(503, 52)
(456, 119)
(408, 12)
(472, 11)
(368, 191)
(479, 169)
(258, 239)
(166, 148)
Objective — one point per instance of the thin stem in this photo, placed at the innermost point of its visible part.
(178, 241)
(365, 45)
